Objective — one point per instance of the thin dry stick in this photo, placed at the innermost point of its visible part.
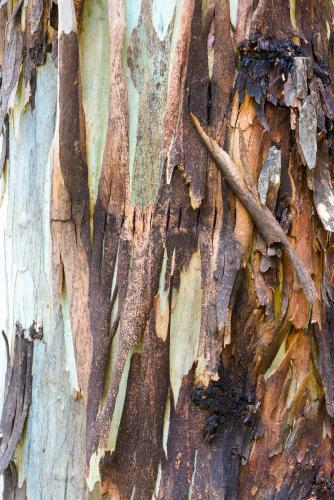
(267, 225)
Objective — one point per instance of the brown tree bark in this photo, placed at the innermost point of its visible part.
(166, 219)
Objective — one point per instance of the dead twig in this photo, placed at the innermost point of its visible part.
(267, 225)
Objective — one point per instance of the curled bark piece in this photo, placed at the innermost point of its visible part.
(267, 225)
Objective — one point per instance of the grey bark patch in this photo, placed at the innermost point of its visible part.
(37, 7)
(270, 177)
(296, 89)
(307, 130)
(265, 264)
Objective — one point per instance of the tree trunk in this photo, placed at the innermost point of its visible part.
(167, 262)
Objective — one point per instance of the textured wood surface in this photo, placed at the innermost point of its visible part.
(180, 316)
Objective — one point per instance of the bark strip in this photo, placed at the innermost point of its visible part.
(17, 400)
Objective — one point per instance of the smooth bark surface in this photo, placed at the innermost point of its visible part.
(167, 325)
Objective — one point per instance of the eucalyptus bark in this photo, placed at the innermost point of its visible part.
(167, 303)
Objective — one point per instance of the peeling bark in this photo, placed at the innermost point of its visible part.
(187, 310)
